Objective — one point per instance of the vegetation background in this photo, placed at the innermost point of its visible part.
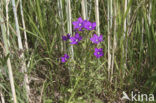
(31, 47)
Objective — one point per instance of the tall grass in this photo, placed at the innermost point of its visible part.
(7, 52)
(31, 38)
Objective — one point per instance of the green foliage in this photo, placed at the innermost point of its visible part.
(87, 82)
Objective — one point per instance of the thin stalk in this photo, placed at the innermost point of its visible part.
(5, 40)
(97, 16)
(150, 10)
(17, 25)
(90, 8)
(111, 14)
(109, 37)
(23, 67)
(60, 12)
(125, 35)
(129, 16)
(143, 30)
(25, 34)
(7, 20)
(2, 97)
(128, 23)
(84, 9)
(114, 41)
(23, 23)
(125, 21)
(142, 39)
(69, 23)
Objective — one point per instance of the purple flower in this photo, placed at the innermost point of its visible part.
(98, 52)
(96, 39)
(78, 24)
(75, 39)
(64, 58)
(88, 25)
(66, 37)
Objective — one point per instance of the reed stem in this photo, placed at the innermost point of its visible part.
(97, 16)
(22, 57)
(23, 23)
(109, 36)
(69, 24)
(84, 9)
(5, 40)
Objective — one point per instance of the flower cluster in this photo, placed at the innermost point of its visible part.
(79, 26)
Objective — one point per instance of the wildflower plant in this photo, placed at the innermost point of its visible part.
(83, 39)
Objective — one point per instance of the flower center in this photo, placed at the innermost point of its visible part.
(76, 40)
(90, 26)
(80, 24)
(98, 52)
